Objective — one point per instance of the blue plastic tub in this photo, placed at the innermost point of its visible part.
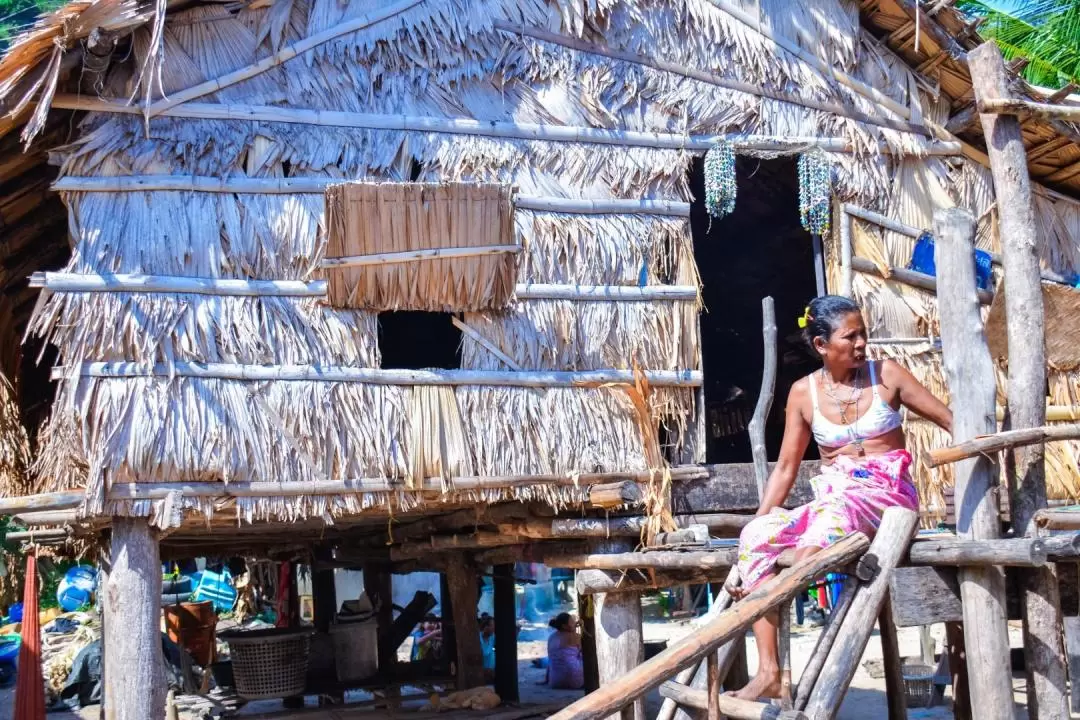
(9, 648)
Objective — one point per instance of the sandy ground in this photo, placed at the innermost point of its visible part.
(865, 699)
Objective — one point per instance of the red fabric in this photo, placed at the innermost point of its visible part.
(283, 596)
(30, 687)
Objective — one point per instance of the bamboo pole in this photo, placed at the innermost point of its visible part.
(488, 345)
(893, 536)
(770, 594)
(286, 53)
(136, 282)
(847, 272)
(614, 293)
(66, 500)
(765, 395)
(377, 376)
(1044, 652)
(497, 129)
(1009, 106)
(970, 375)
(1004, 440)
(710, 78)
(318, 185)
(909, 277)
(408, 256)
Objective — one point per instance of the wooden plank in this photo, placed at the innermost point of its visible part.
(732, 487)
(972, 387)
(633, 685)
(1044, 653)
(132, 642)
(893, 536)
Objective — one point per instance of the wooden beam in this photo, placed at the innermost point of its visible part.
(893, 536)
(1044, 652)
(1004, 440)
(376, 376)
(933, 30)
(1012, 552)
(908, 277)
(66, 500)
(770, 594)
(620, 646)
(133, 662)
(1021, 106)
(461, 581)
(66, 282)
(972, 387)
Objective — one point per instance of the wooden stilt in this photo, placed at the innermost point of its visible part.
(134, 668)
(712, 683)
(506, 656)
(449, 630)
(323, 591)
(379, 588)
(588, 643)
(619, 644)
(1072, 648)
(972, 387)
(895, 692)
(785, 657)
(954, 636)
(464, 598)
(893, 536)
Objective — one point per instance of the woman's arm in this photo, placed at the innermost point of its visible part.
(792, 449)
(914, 396)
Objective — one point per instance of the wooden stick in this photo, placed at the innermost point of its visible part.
(765, 395)
(377, 376)
(825, 641)
(592, 581)
(781, 588)
(1020, 106)
(970, 374)
(893, 536)
(847, 272)
(32, 535)
(487, 344)
(1058, 519)
(1044, 652)
(135, 282)
(908, 277)
(954, 637)
(895, 688)
(613, 293)
(623, 526)
(1004, 440)
(784, 656)
(497, 129)
(67, 500)
(1061, 547)
(658, 560)
(318, 185)
(712, 701)
(48, 517)
(1012, 552)
(409, 256)
(727, 706)
(286, 53)
(710, 78)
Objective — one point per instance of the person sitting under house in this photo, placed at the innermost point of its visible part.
(487, 645)
(851, 408)
(427, 640)
(566, 668)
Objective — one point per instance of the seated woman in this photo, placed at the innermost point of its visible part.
(851, 407)
(566, 669)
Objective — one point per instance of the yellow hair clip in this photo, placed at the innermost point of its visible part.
(805, 319)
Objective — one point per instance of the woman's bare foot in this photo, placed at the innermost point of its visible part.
(766, 684)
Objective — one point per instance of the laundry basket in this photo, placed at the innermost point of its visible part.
(919, 684)
(269, 663)
(354, 649)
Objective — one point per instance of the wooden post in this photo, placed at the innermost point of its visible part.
(895, 692)
(1044, 655)
(765, 396)
(713, 686)
(785, 656)
(323, 590)
(954, 636)
(970, 374)
(588, 643)
(379, 588)
(810, 673)
(134, 667)
(1072, 646)
(506, 657)
(461, 579)
(619, 643)
(893, 537)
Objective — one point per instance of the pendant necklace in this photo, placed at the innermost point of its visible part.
(842, 405)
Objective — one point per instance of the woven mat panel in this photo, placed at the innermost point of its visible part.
(1061, 305)
(372, 219)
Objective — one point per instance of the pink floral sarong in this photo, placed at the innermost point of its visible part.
(850, 496)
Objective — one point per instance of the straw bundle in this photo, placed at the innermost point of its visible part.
(436, 437)
(365, 220)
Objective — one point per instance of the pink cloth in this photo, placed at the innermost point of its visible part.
(850, 496)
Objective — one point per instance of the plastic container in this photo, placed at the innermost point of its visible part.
(217, 588)
(919, 684)
(355, 646)
(76, 589)
(9, 648)
(192, 627)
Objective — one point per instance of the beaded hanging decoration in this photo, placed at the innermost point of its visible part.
(720, 179)
(815, 192)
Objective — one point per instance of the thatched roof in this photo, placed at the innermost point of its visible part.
(667, 75)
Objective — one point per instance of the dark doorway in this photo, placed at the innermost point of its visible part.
(413, 340)
(760, 249)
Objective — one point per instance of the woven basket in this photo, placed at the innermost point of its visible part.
(269, 663)
(919, 684)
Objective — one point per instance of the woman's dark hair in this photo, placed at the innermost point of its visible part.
(825, 315)
(560, 621)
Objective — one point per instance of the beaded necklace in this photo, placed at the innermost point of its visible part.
(720, 179)
(815, 192)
